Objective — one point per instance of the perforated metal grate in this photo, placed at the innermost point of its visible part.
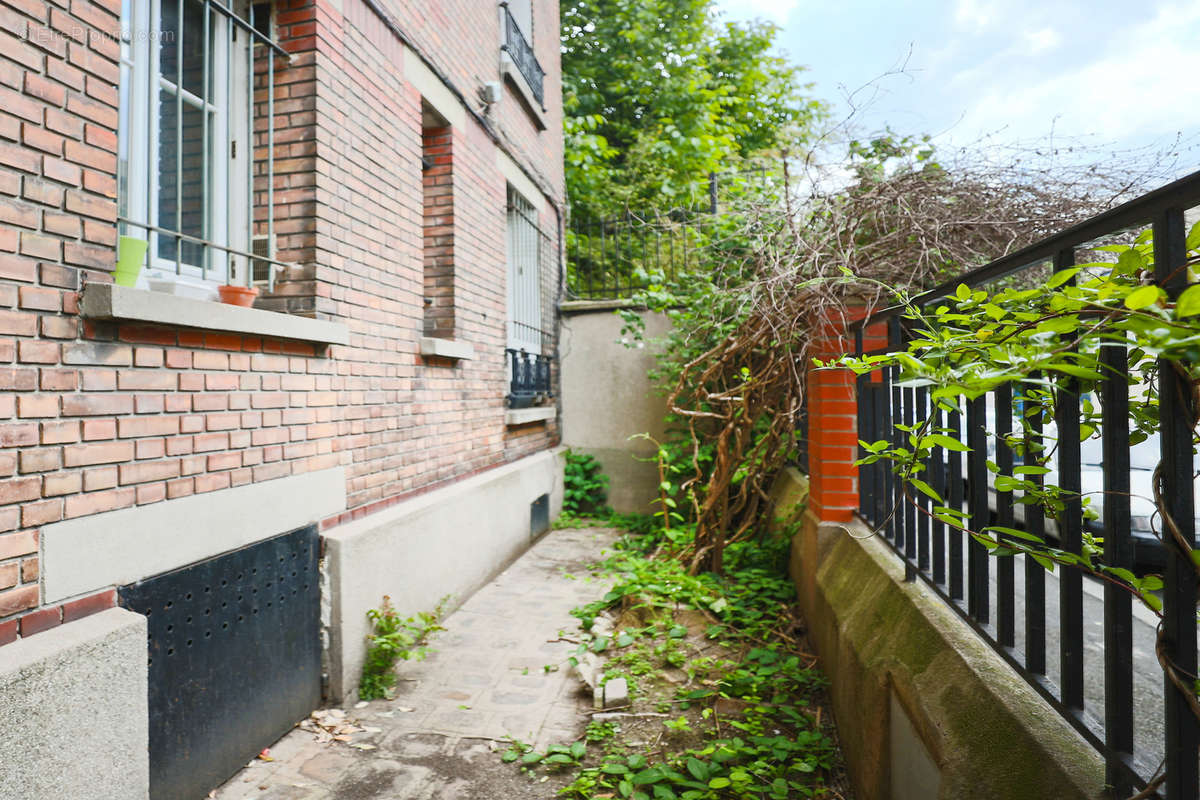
(234, 658)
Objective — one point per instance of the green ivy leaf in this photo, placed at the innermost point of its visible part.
(944, 442)
(1141, 297)
(1061, 277)
(1188, 304)
(1015, 533)
(925, 488)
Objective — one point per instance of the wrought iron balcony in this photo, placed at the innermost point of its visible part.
(521, 52)
(530, 379)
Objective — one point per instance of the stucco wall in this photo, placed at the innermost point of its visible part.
(970, 726)
(446, 543)
(607, 397)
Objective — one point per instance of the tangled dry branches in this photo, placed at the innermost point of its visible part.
(891, 227)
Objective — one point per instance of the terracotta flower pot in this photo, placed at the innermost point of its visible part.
(237, 295)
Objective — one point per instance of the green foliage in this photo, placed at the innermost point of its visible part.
(771, 748)
(1038, 339)
(658, 94)
(585, 487)
(394, 639)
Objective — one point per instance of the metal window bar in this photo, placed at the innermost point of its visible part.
(521, 52)
(205, 240)
(533, 293)
(1110, 727)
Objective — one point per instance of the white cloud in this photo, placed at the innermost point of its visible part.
(974, 14)
(1141, 85)
(1037, 41)
(776, 11)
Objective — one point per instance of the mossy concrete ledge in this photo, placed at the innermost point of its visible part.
(73, 711)
(920, 700)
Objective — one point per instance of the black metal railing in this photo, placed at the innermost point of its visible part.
(520, 51)
(619, 256)
(616, 256)
(1078, 643)
(531, 382)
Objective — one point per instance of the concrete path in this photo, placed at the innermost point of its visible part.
(483, 681)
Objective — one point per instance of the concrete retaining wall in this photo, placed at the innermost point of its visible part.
(925, 709)
(608, 397)
(73, 711)
(448, 542)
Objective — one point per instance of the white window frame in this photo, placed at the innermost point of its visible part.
(228, 181)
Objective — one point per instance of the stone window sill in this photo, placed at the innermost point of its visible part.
(525, 416)
(109, 301)
(446, 348)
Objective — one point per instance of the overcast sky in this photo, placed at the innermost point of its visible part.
(1113, 71)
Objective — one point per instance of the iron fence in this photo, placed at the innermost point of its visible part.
(614, 257)
(618, 256)
(1080, 646)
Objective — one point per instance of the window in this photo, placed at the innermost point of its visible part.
(437, 180)
(524, 275)
(522, 14)
(516, 48)
(186, 159)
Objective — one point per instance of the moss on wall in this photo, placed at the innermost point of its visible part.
(987, 731)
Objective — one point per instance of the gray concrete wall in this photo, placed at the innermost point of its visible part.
(73, 715)
(607, 397)
(925, 709)
(448, 542)
(117, 547)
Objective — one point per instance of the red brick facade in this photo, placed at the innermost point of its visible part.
(103, 415)
(833, 420)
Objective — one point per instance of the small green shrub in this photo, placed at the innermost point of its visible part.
(394, 639)
(585, 486)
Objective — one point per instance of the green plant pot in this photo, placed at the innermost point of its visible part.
(131, 254)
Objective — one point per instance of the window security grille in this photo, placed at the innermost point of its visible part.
(524, 276)
(189, 170)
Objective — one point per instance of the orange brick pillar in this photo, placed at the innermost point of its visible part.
(833, 419)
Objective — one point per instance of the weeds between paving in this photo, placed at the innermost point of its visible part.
(724, 699)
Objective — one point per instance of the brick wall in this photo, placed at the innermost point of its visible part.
(461, 39)
(98, 416)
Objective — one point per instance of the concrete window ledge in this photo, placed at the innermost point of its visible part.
(525, 416)
(446, 348)
(109, 301)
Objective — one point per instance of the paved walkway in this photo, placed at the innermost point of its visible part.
(483, 681)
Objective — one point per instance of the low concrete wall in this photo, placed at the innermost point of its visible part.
(608, 397)
(73, 711)
(448, 542)
(925, 709)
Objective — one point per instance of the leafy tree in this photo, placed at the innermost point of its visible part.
(660, 93)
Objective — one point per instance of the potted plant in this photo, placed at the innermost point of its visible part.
(237, 295)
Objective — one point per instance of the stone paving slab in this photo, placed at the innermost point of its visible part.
(483, 681)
